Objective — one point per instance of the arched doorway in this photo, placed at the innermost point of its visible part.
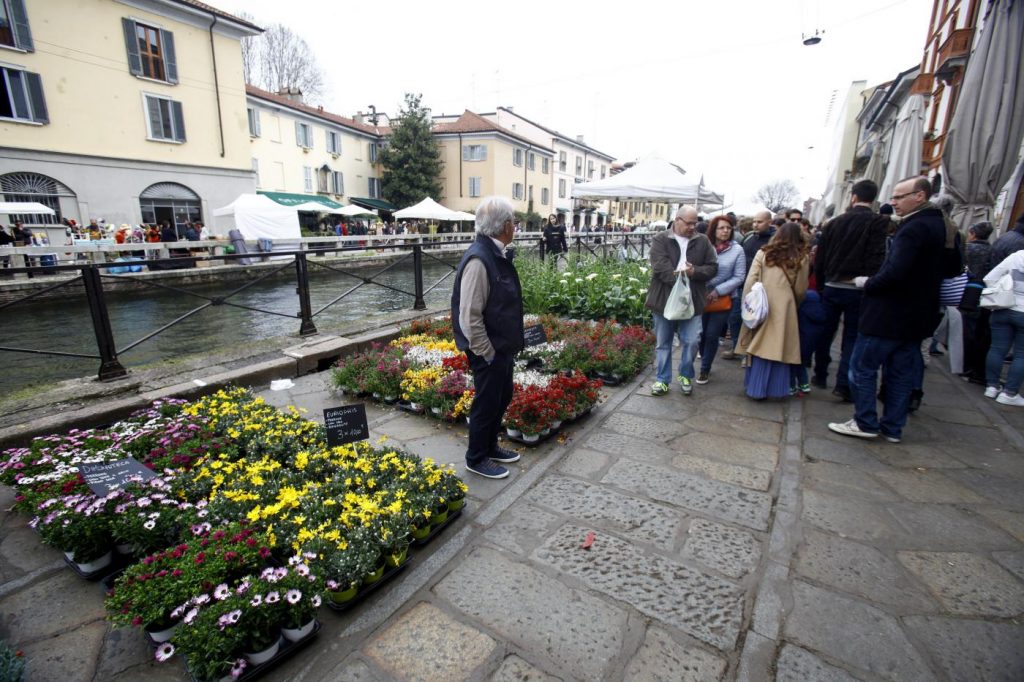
(39, 188)
(170, 202)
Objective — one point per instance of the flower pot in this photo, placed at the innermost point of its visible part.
(124, 549)
(436, 410)
(160, 632)
(91, 566)
(416, 407)
(391, 399)
(376, 396)
(456, 505)
(397, 556)
(545, 431)
(514, 433)
(530, 437)
(342, 596)
(371, 578)
(295, 634)
(258, 657)
(439, 516)
(556, 425)
(421, 533)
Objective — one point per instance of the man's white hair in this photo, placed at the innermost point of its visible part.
(686, 208)
(492, 214)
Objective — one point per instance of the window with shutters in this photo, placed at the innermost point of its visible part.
(337, 183)
(333, 142)
(517, 190)
(561, 188)
(150, 51)
(561, 161)
(374, 188)
(579, 166)
(165, 120)
(590, 170)
(474, 152)
(256, 171)
(474, 186)
(304, 135)
(307, 178)
(254, 122)
(545, 164)
(21, 96)
(373, 152)
(531, 161)
(14, 30)
(545, 196)
(517, 157)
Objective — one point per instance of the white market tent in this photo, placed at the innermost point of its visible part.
(314, 206)
(354, 210)
(428, 209)
(653, 179)
(258, 217)
(463, 215)
(25, 207)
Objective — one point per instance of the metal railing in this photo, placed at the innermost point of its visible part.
(91, 277)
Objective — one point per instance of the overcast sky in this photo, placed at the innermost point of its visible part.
(724, 89)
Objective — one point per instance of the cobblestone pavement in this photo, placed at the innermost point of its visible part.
(734, 540)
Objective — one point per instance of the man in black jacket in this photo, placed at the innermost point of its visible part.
(900, 308)
(852, 245)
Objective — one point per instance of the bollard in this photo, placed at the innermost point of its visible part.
(306, 328)
(417, 267)
(110, 366)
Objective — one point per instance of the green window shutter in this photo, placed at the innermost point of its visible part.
(170, 60)
(179, 121)
(22, 33)
(35, 95)
(131, 42)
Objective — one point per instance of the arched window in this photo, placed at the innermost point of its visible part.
(170, 202)
(39, 188)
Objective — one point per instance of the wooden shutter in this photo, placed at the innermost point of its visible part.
(22, 33)
(131, 42)
(156, 127)
(179, 121)
(170, 60)
(298, 134)
(35, 95)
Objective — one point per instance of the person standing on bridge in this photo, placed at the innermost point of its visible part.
(487, 321)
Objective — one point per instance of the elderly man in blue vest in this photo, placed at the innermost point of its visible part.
(487, 318)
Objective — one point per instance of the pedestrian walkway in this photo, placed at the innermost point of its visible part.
(731, 539)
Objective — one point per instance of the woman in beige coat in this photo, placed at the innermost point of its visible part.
(781, 267)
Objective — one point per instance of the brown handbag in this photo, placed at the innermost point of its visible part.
(721, 304)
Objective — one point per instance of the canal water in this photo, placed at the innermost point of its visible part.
(67, 327)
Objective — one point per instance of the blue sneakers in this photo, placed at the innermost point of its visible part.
(504, 456)
(487, 469)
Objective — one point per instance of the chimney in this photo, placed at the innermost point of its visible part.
(509, 108)
(358, 118)
(579, 138)
(293, 94)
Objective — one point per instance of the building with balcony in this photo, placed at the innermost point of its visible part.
(139, 118)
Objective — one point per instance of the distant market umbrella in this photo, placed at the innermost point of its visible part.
(985, 134)
(875, 171)
(906, 148)
(428, 209)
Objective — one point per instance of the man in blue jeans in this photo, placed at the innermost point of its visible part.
(679, 249)
(852, 245)
(900, 308)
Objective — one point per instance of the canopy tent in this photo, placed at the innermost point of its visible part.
(314, 206)
(25, 207)
(987, 127)
(354, 210)
(653, 179)
(463, 215)
(428, 209)
(293, 200)
(906, 146)
(258, 217)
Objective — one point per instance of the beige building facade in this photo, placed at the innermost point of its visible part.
(129, 111)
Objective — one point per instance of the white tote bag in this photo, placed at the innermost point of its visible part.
(755, 306)
(1000, 295)
(679, 305)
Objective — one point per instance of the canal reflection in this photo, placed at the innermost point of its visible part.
(66, 326)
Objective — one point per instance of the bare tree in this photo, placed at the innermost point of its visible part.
(280, 59)
(777, 195)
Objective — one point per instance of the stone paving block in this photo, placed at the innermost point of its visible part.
(638, 519)
(999, 490)
(914, 456)
(1012, 561)
(760, 430)
(730, 550)
(967, 584)
(515, 669)
(981, 439)
(727, 502)
(927, 486)
(852, 632)
(954, 414)
(584, 463)
(757, 659)
(21, 550)
(61, 602)
(404, 427)
(846, 481)
(427, 644)
(799, 665)
(940, 527)
(350, 670)
(972, 649)
(733, 449)
(756, 479)
(706, 607)
(850, 452)
(658, 407)
(123, 648)
(662, 659)
(618, 445)
(860, 570)
(1010, 521)
(574, 630)
(521, 527)
(68, 656)
(643, 427)
(773, 592)
(440, 447)
(741, 406)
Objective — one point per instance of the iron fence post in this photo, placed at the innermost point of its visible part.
(307, 328)
(417, 266)
(110, 366)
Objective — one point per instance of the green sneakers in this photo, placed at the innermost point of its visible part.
(686, 385)
(659, 388)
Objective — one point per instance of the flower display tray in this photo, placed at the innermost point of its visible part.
(287, 650)
(389, 573)
(436, 530)
(406, 406)
(114, 568)
(534, 443)
(608, 379)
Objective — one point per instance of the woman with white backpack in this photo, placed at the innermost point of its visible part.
(773, 345)
(1007, 323)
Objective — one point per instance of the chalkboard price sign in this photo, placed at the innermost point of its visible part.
(107, 477)
(534, 336)
(346, 424)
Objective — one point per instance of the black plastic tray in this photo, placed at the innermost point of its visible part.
(436, 530)
(286, 651)
(361, 596)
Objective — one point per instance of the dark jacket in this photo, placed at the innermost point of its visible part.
(554, 239)
(979, 255)
(664, 258)
(503, 314)
(851, 245)
(754, 242)
(1010, 242)
(902, 300)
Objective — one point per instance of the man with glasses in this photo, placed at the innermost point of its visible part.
(679, 249)
(899, 309)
